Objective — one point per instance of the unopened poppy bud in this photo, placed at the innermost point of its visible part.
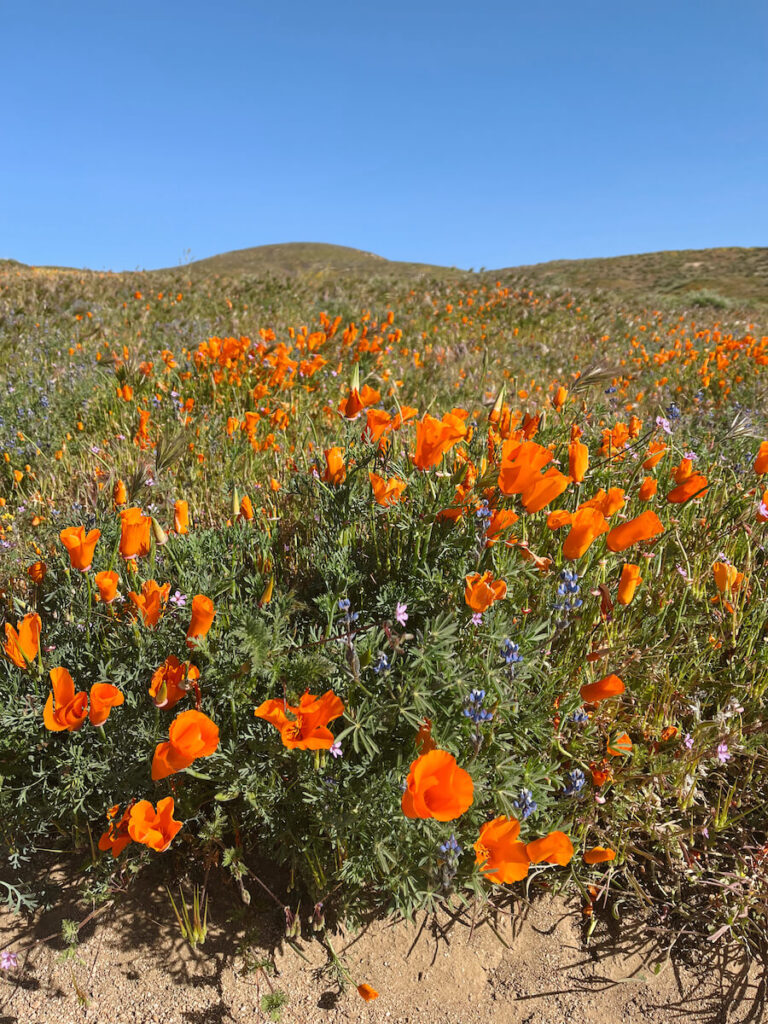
(235, 504)
(498, 405)
(161, 537)
(317, 921)
(266, 597)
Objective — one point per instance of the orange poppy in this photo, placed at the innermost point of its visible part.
(367, 993)
(436, 437)
(642, 527)
(555, 848)
(578, 461)
(501, 520)
(246, 509)
(64, 709)
(170, 682)
(619, 745)
(559, 518)
(181, 517)
(501, 856)
(155, 829)
(202, 618)
(629, 582)
(22, 646)
(481, 591)
(543, 489)
(106, 583)
(648, 488)
(599, 854)
(681, 472)
(521, 464)
(656, 450)
(586, 527)
(37, 571)
(559, 398)
(116, 837)
(135, 530)
(608, 686)
(119, 493)
(80, 546)
(351, 406)
(151, 601)
(694, 486)
(437, 788)
(387, 492)
(761, 461)
(727, 577)
(104, 697)
(335, 470)
(424, 741)
(307, 729)
(191, 735)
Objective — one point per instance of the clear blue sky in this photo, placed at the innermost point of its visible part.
(486, 133)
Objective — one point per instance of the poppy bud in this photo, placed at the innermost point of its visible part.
(317, 921)
(292, 924)
(235, 504)
(161, 537)
(266, 597)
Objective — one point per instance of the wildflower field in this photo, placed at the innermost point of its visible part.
(417, 589)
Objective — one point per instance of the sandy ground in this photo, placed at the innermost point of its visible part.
(530, 966)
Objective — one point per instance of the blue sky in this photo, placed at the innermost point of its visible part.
(469, 134)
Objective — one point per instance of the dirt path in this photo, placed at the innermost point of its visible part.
(529, 968)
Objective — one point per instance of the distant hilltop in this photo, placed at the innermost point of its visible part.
(729, 274)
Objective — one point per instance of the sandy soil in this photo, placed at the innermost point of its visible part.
(530, 966)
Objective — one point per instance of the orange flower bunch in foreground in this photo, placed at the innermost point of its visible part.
(304, 726)
(66, 710)
(481, 591)
(23, 643)
(191, 735)
(503, 858)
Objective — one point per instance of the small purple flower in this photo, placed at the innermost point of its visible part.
(691, 455)
(8, 961)
(335, 749)
(179, 599)
(664, 424)
(688, 741)
(705, 832)
(723, 753)
(477, 619)
(401, 613)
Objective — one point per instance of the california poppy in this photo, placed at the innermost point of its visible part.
(555, 848)
(481, 591)
(135, 530)
(246, 509)
(64, 709)
(80, 546)
(608, 686)
(501, 520)
(367, 993)
(191, 735)
(307, 728)
(578, 461)
(599, 854)
(656, 450)
(761, 461)
(521, 463)
(501, 856)
(648, 488)
(559, 518)
(642, 527)
(171, 681)
(629, 582)
(37, 571)
(586, 526)
(543, 489)
(727, 577)
(181, 517)
(387, 492)
(106, 583)
(335, 471)
(437, 788)
(435, 437)
(619, 745)
(116, 837)
(202, 618)
(119, 493)
(351, 406)
(694, 486)
(151, 601)
(22, 646)
(155, 829)
(104, 697)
